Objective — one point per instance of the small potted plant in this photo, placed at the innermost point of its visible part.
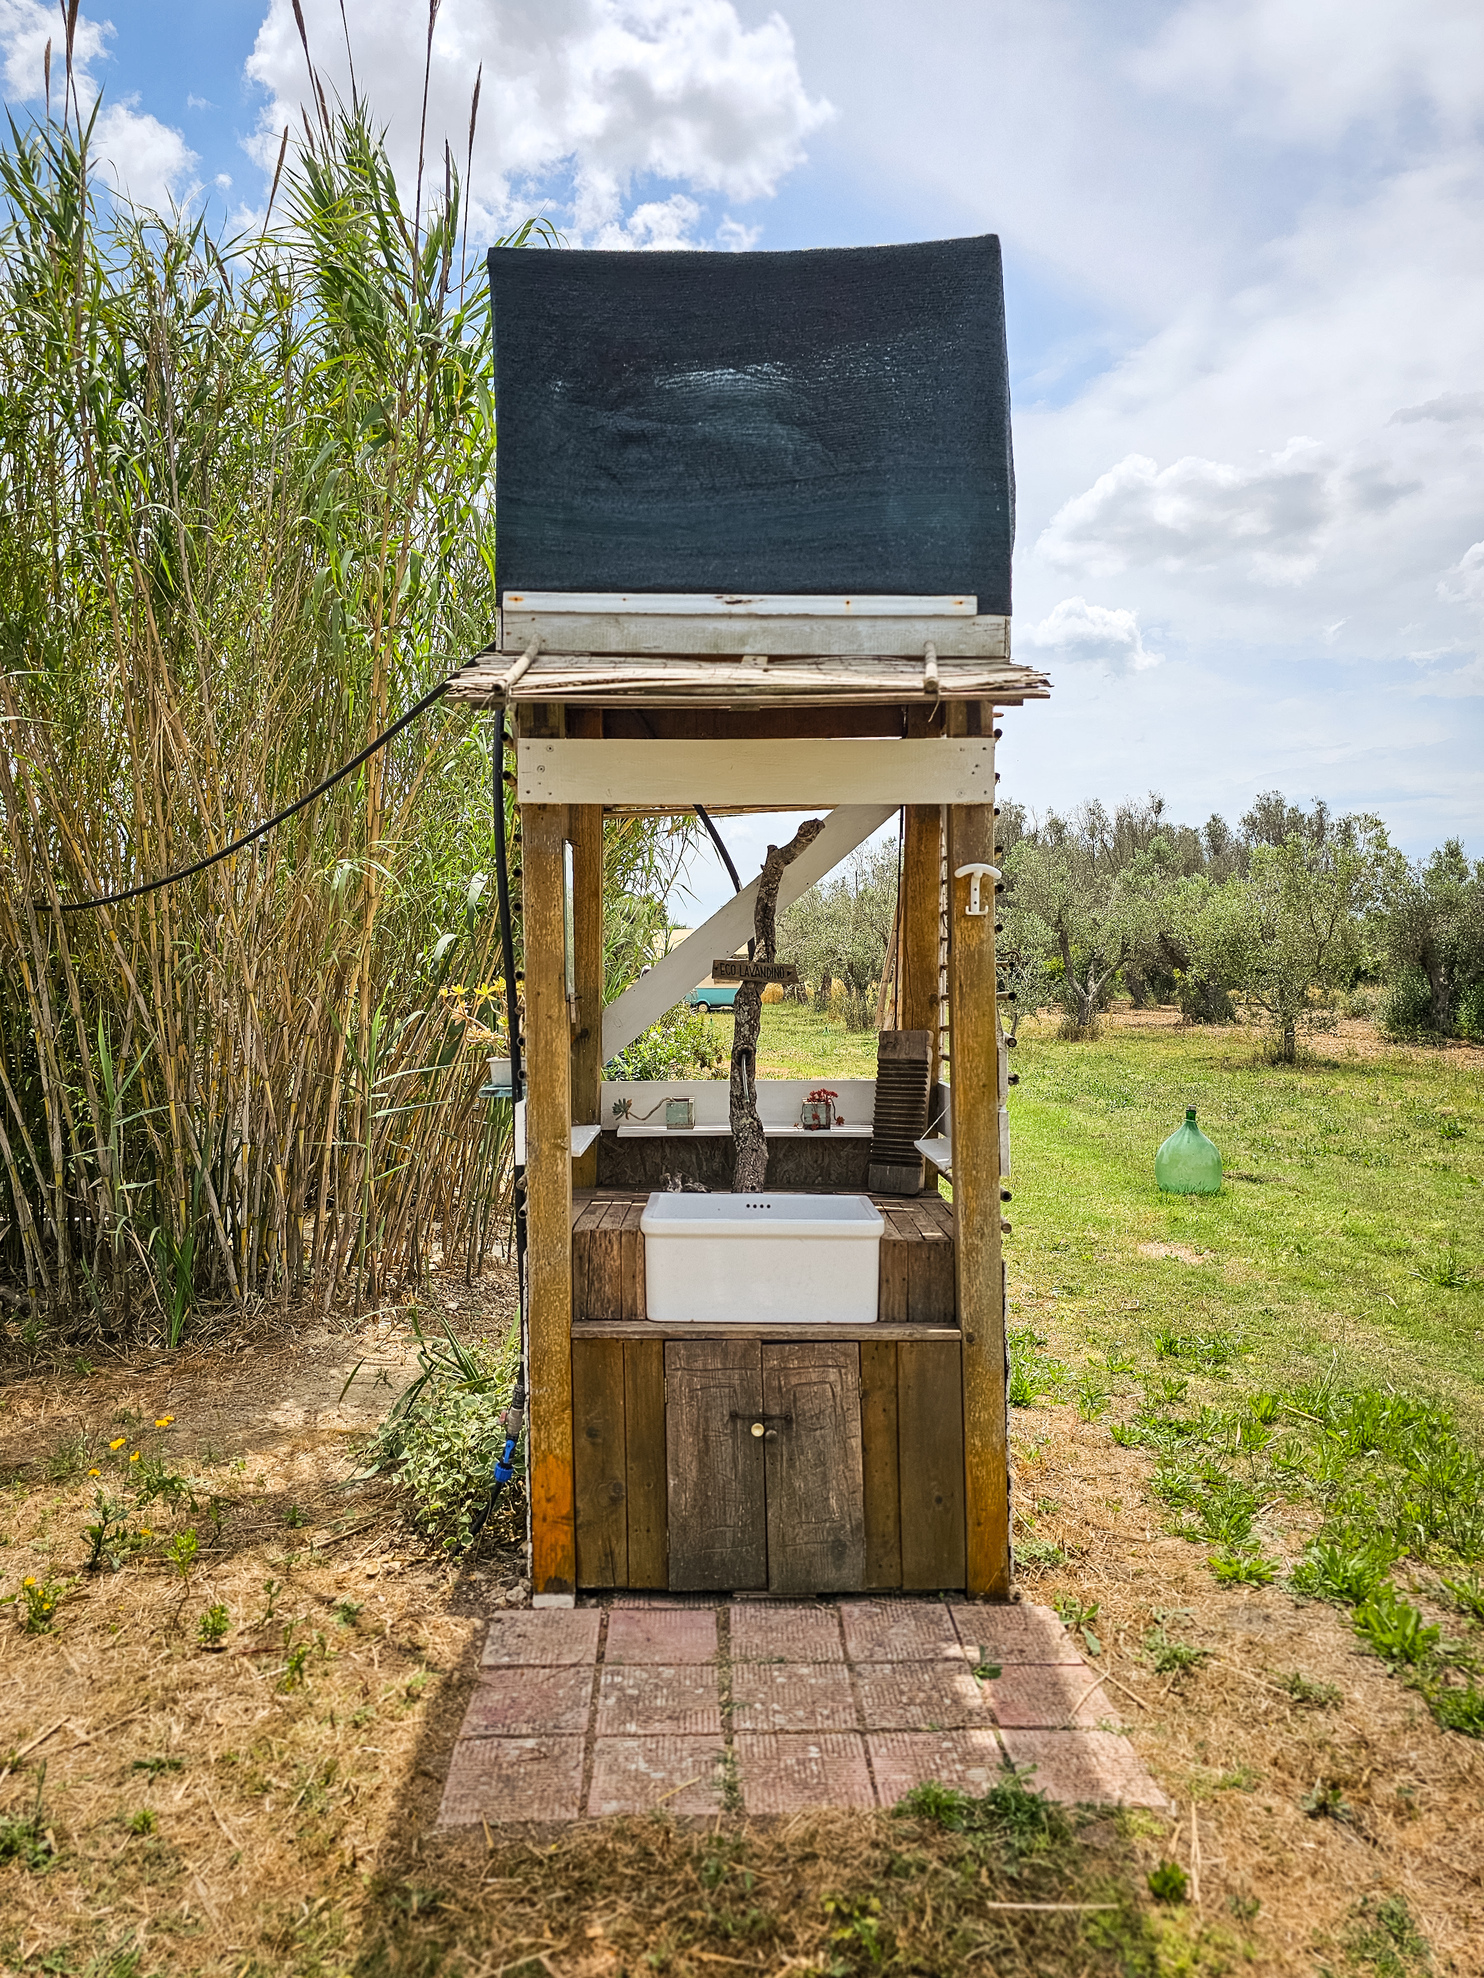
(817, 1113)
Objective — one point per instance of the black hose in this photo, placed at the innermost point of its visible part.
(262, 830)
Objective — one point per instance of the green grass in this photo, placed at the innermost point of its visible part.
(797, 1041)
(1364, 1236)
(1292, 1340)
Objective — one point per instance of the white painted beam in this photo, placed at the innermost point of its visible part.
(791, 774)
(637, 623)
(740, 604)
(644, 1002)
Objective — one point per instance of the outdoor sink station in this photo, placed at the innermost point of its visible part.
(756, 513)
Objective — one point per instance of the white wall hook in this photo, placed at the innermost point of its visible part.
(976, 875)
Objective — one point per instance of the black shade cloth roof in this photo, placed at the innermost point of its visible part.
(834, 421)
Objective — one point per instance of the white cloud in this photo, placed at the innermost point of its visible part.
(1449, 408)
(147, 161)
(1098, 632)
(1317, 69)
(144, 160)
(26, 26)
(1196, 514)
(1464, 583)
(584, 104)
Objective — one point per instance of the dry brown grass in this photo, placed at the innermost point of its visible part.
(1229, 1739)
(294, 1827)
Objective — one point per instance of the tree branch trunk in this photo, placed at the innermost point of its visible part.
(750, 1169)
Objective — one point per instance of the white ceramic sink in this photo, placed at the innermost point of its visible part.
(769, 1259)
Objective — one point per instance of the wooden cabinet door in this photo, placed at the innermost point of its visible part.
(816, 1525)
(718, 1528)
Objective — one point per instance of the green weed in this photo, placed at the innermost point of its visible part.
(1169, 1882)
(1467, 1595)
(108, 1535)
(1343, 1571)
(1016, 1820)
(1326, 1801)
(1458, 1709)
(1093, 1397)
(1170, 1656)
(1446, 1271)
(1077, 1617)
(1312, 1694)
(1394, 1628)
(182, 1550)
(1243, 1569)
(856, 1923)
(214, 1626)
(144, 1821)
(38, 1601)
(1032, 1371)
(1385, 1937)
(25, 1837)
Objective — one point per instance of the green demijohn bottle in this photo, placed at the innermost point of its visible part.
(1188, 1163)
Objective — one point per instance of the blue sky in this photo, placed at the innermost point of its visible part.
(1244, 247)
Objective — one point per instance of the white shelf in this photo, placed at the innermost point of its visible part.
(583, 1138)
(937, 1153)
(634, 1130)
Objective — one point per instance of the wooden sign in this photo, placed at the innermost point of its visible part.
(736, 969)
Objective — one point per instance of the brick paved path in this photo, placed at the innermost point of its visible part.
(772, 1707)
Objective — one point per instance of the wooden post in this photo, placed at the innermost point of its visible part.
(974, 1046)
(922, 859)
(549, 1187)
(586, 824)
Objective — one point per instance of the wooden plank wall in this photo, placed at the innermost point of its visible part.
(630, 1454)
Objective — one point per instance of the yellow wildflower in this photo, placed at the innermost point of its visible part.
(117, 1443)
(164, 1421)
(29, 1581)
(135, 1457)
(95, 1473)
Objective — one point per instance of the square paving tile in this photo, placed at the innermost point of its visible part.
(920, 1696)
(899, 1631)
(1016, 1631)
(1049, 1697)
(502, 1779)
(763, 1632)
(665, 1635)
(542, 1637)
(530, 1703)
(968, 1760)
(1097, 1767)
(792, 1696)
(643, 1598)
(793, 1772)
(649, 1700)
(631, 1775)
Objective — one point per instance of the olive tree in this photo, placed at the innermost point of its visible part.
(1304, 908)
(1431, 925)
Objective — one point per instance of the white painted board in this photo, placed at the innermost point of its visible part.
(636, 624)
(792, 774)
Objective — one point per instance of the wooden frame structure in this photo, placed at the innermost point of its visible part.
(864, 705)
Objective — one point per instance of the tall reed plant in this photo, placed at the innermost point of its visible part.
(246, 519)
